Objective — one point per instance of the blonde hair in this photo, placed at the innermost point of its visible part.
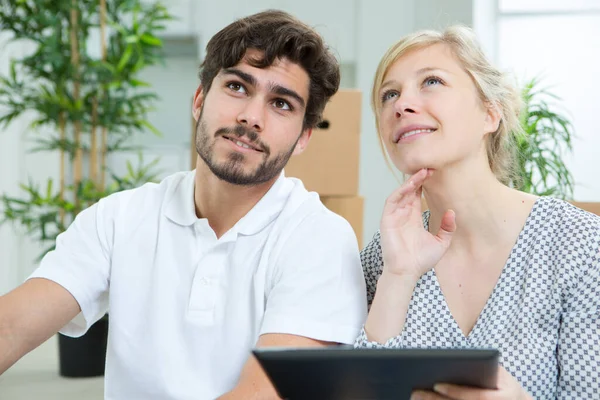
(492, 85)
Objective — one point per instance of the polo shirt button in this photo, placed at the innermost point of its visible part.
(204, 281)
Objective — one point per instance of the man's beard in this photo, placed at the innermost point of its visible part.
(232, 170)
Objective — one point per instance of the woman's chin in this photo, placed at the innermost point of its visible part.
(412, 168)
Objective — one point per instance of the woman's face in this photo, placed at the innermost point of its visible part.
(431, 113)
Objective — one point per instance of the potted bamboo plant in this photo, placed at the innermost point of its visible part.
(547, 138)
(91, 105)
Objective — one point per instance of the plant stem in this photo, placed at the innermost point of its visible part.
(63, 137)
(93, 146)
(104, 130)
(77, 170)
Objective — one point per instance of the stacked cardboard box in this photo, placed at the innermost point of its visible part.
(593, 207)
(329, 165)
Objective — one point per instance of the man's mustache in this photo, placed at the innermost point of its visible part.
(240, 131)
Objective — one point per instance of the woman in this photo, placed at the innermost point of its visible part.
(487, 265)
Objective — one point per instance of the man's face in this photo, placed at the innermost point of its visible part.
(251, 120)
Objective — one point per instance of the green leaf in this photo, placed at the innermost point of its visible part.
(131, 39)
(151, 40)
(151, 127)
(138, 83)
(125, 58)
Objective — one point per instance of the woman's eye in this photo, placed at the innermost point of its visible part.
(432, 81)
(390, 94)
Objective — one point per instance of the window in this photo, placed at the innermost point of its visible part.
(563, 48)
(545, 6)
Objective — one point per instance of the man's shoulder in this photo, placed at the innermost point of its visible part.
(304, 220)
(306, 208)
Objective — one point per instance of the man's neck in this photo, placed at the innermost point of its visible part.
(224, 204)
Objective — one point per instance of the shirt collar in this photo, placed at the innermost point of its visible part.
(181, 209)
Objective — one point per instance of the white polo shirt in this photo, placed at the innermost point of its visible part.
(186, 308)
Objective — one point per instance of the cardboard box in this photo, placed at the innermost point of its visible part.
(329, 165)
(593, 207)
(349, 207)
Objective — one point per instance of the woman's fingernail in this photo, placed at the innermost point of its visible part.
(416, 396)
(440, 388)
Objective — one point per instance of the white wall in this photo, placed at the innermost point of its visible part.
(360, 31)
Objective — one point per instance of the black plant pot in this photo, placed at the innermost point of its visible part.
(84, 356)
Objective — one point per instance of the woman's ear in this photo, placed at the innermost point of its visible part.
(492, 118)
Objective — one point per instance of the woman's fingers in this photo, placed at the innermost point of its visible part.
(423, 395)
(447, 228)
(411, 186)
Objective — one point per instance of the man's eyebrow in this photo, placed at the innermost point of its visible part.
(240, 74)
(283, 91)
(273, 87)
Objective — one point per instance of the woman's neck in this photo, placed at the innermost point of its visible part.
(487, 211)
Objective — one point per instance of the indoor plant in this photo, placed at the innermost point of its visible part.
(547, 137)
(84, 107)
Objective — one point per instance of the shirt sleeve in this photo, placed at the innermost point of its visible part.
(319, 288)
(579, 337)
(81, 264)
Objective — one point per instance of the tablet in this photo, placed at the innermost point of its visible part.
(343, 372)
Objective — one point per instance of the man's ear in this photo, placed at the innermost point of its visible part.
(197, 103)
(492, 118)
(303, 141)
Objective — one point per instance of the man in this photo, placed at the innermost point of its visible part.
(206, 265)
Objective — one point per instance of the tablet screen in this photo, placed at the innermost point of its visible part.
(347, 373)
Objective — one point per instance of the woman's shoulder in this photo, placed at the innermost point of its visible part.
(568, 234)
(567, 221)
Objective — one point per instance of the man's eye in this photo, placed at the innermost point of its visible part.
(282, 104)
(236, 87)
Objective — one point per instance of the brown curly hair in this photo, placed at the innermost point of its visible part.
(277, 35)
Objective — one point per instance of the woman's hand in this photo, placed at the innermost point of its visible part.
(508, 389)
(408, 249)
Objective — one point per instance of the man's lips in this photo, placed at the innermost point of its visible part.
(242, 143)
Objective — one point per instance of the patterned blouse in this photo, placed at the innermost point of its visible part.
(543, 314)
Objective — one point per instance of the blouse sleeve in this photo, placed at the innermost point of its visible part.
(363, 342)
(372, 264)
(578, 348)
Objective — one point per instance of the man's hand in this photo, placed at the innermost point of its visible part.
(254, 383)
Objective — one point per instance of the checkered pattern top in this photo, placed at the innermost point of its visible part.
(543, 314)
